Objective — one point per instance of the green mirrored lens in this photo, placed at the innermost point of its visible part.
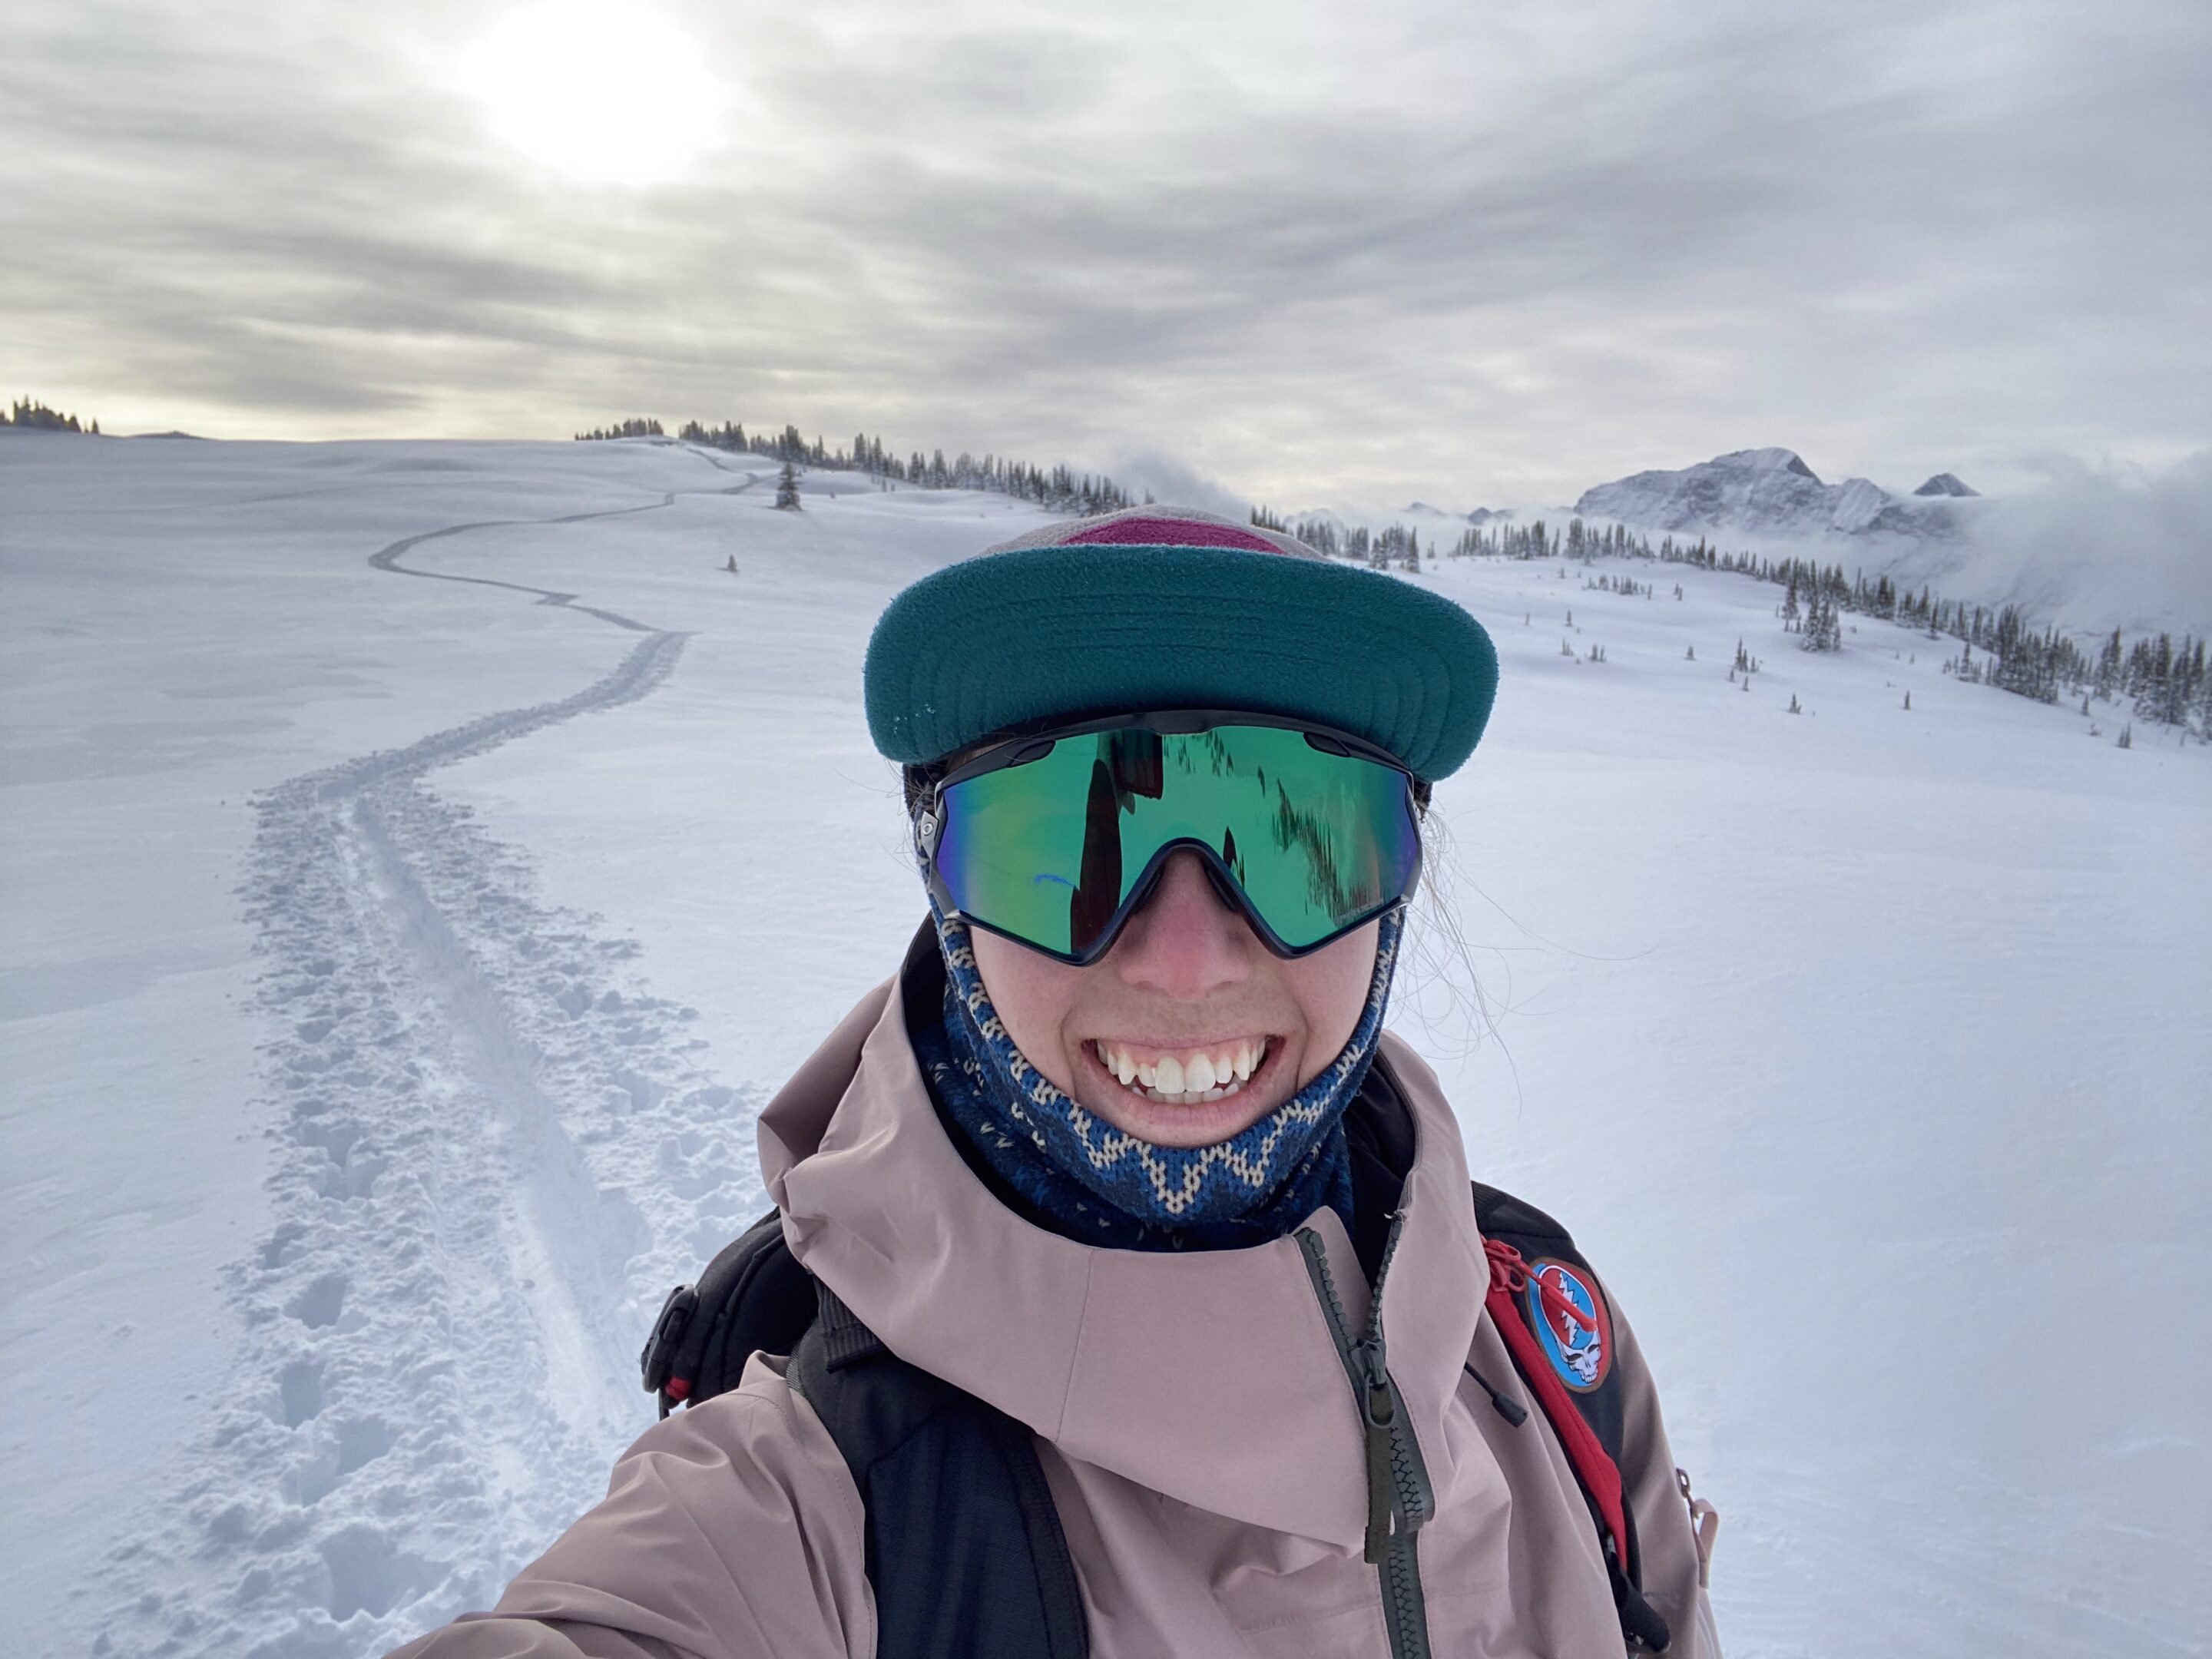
(1049, 850)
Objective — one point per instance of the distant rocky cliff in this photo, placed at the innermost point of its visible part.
(1771, 492)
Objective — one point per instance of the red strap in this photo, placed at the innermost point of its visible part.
(1509, 1272)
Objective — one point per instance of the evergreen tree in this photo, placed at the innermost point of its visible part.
(786, 489)
(638, 426)
(1823, 629)
(30, 412)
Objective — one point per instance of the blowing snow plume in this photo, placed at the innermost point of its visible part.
(1164, 478)
(2101, 548)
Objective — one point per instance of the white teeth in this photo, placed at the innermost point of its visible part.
(1192, 1096)
(1116, 1061)
(1185, 1080)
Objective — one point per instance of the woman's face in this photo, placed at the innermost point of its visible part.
(1213, 1029)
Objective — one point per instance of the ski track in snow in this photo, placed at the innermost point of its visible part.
(493, 1145)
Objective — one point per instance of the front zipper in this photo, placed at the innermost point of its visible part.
(1400, 1499)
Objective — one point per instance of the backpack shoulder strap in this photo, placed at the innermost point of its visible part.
(965, 1552)
(1551, 1310)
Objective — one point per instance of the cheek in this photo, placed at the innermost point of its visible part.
(1330, 988)
(1034, 995)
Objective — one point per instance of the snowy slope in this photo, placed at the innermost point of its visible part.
(422, 859)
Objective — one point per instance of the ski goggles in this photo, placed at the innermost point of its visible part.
(1055, 839)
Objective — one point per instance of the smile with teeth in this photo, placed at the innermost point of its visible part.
(1214, 1073)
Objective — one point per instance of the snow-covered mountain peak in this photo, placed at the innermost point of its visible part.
(1946, 483)
(1858, 504)
(1767, 461)
(1765, 493)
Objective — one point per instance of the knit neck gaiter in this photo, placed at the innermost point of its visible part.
(1091, 1183)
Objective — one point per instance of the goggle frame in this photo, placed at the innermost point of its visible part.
(1021, 744)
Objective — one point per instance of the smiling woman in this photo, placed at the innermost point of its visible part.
(604, 94)
(1089, 1220)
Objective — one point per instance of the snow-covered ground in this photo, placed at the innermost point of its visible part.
(417, 861)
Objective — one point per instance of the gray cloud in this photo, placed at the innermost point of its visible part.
(1417, 251)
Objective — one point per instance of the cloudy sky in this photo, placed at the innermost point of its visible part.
(1466, 252)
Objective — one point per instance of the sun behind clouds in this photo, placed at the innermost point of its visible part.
(599, 91)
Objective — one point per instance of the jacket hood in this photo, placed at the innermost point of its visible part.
(1209, 1376)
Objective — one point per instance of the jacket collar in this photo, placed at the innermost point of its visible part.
(1211, 1377)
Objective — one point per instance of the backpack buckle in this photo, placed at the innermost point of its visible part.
(657, 1361)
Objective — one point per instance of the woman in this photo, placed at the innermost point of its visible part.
(1120, 1183)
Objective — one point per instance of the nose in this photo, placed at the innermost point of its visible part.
(1184, 941)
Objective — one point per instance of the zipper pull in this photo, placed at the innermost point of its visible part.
(1508, 1272)
(1507, 1406)
(1380, 1414)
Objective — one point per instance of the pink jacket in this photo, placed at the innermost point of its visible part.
(1192, 1415)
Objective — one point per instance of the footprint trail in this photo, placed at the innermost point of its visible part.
(495, 1150)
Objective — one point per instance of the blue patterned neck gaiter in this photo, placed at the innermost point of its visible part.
(1095, 1184)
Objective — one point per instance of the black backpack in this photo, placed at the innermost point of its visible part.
(965, 1554)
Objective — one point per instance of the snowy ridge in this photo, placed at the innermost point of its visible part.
(2090, 551)
(440, 1360)
(1946, 483)
(1766, 492)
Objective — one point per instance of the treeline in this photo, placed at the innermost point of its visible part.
(29, 412)
(1393, 547)
(2164, 680)
(1534, 540)
(1058, 488)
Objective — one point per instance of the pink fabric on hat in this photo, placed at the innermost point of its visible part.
(1168, 533)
